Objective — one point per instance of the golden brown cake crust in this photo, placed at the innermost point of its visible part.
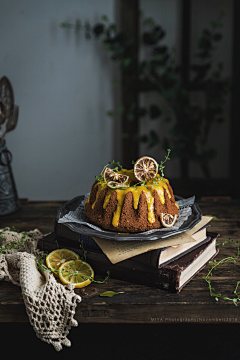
(131, 220)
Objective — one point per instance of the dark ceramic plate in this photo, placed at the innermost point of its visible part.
(71, 205)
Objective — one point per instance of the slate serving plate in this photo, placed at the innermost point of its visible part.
(71, 205)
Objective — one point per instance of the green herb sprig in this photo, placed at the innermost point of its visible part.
(40, 260)
(215, 265)
(100, 177)
(160, 166)
(83, 250)
(41, 266)
(141, 183)
(14, 244)
(41, 256)
(84, 259)
(98, 281)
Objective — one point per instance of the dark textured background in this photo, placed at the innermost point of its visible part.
(118, 342)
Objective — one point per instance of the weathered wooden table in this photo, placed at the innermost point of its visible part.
(140, 304)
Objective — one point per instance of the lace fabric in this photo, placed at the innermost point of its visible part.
(50, 305)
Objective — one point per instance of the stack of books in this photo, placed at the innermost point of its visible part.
(168, 263)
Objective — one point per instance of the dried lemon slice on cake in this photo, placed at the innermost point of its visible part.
(76, 272)
(57, 257)
(115, 185)
(168, 220)
(114, 179)
(145, 168)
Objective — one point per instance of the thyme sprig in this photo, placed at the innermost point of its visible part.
(215, 265)
(100, 177)
(40, 257)
(41, 264)
(160, 166)
(40, 260)
(84, 258)
(98, 281)
(14, 244)
(155, 181)
(83, 250)
(141, 183)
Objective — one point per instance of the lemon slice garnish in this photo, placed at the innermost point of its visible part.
(115, 179)
(76, 272)
(145, 168)
(58, 257)
(168, 220)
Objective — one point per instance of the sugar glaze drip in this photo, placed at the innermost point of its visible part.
(149, 187)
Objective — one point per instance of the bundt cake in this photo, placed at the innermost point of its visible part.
(132, 201)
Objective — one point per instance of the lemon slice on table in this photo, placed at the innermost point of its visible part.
(76, 272)
(58, 257)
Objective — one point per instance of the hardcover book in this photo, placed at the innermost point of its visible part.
(156, 257)
(172, 277)
(155, 253)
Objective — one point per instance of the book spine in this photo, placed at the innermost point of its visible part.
(168, 279)
(150, 258)
(77, 237)
(198, 271)
(88, 241)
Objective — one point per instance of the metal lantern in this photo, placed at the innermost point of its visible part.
(9, 201)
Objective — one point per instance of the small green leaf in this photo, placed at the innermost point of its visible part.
(111, 293)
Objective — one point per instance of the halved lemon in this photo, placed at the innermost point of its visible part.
(168, 220)
(57, 257)
(145, 168)
(76, 272)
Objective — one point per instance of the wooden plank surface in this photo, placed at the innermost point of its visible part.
(138, 303)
